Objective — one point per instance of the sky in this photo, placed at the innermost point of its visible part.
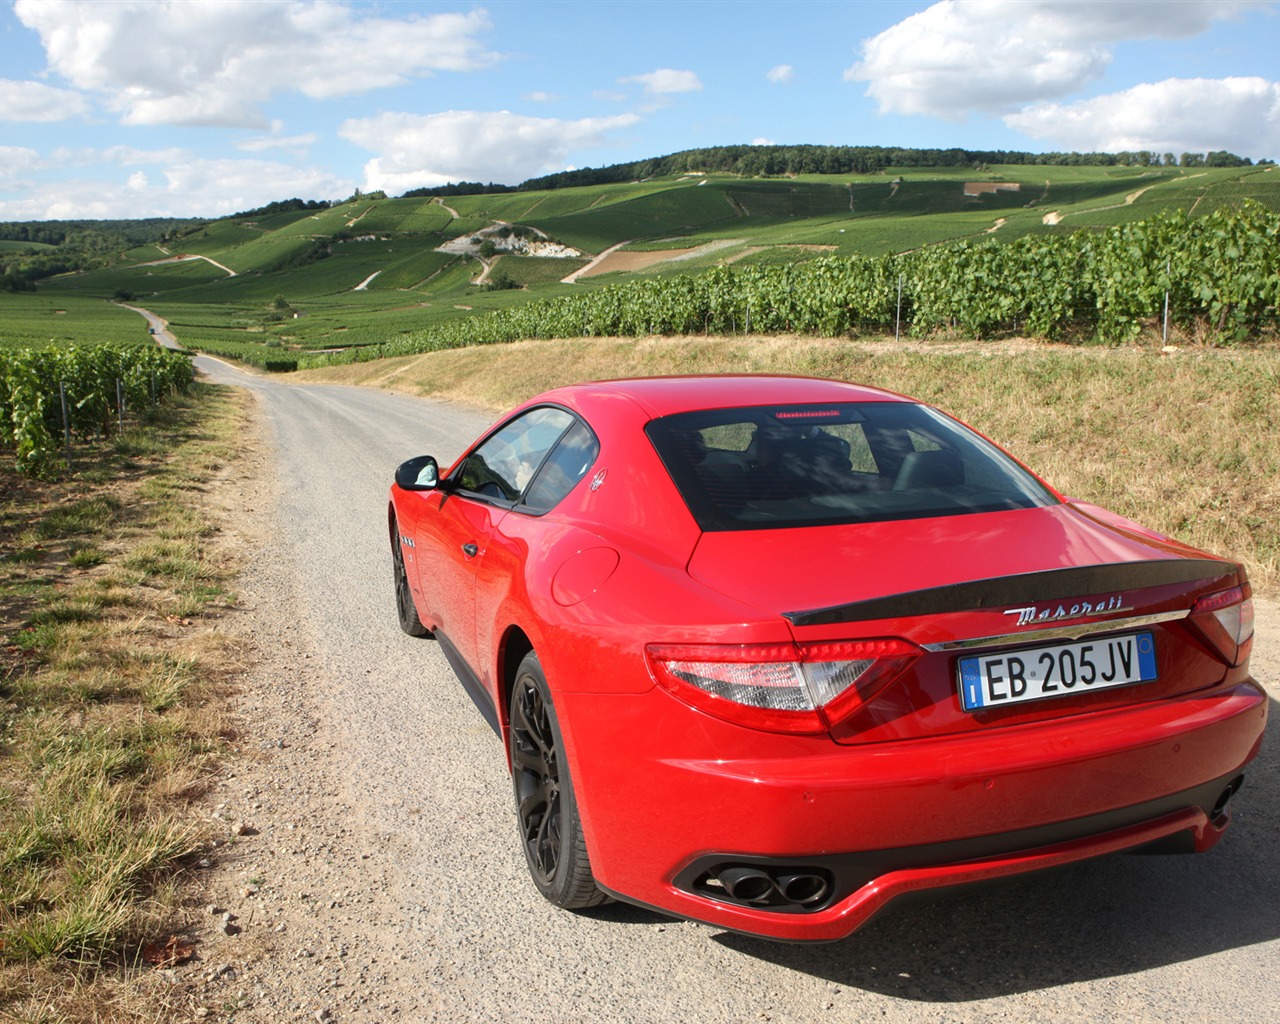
(203, 108)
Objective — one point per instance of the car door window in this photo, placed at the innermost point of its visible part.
(566, 465)
(503, 466)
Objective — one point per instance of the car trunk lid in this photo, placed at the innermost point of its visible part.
(959, 586)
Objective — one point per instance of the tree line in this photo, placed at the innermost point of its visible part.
(777, 161)
(63, 246)
(127, 232)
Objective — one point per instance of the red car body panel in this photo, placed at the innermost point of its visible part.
(908, 791)
(802, 799)
(791, 568)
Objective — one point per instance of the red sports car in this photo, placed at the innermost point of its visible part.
(768, 652)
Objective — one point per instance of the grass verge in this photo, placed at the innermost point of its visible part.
(110, 679)
(1183, 442)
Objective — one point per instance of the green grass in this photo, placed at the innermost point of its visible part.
(7, 245)
(56, 314)
(416, 270)
(532, 271)
(218, 236)
(85, 517)
(140, 281)
(421, 216)
(108, 719)
(676, 210)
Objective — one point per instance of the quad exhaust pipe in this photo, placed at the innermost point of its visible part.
(784, 887)
(747, 885)
(1222, 809)
(779, 888)
(803, 888)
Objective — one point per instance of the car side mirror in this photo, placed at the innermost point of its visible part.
(418, 474)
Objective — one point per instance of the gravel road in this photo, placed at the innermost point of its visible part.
(371, 870)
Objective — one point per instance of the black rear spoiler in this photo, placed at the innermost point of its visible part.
(1032, 587)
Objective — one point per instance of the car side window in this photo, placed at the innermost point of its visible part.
(503, 466)
(566, 465)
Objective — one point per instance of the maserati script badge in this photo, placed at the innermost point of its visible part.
(1035, 615)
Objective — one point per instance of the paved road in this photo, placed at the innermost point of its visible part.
(1175, 939)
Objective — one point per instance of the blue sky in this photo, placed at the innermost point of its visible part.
(134, 108)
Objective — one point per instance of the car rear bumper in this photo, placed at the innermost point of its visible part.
(879, 821)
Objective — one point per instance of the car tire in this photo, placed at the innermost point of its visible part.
(405, 609)
(546, 812)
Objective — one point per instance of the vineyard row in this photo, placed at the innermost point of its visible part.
(1219, 274)
(80, 390)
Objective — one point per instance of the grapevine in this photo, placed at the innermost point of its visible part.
(92, 379)
(1221, 274)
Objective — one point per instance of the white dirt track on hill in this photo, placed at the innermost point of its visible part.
(371, 866)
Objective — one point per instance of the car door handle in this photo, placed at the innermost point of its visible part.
(470, 550)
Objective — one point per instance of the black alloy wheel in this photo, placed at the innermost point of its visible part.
(550, 829)
(405, 610)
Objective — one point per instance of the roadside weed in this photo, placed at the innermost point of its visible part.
(109, 720)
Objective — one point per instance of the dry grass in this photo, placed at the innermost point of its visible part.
(1184, 442)
(110, 685)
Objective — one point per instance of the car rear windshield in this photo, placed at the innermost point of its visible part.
(785, 466)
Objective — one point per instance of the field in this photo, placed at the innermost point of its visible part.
(536, 270)
(52, 317)
(8, 246)
(311, 263)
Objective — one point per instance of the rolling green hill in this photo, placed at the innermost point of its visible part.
(372, 269)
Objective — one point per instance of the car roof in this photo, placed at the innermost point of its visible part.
(664, 396)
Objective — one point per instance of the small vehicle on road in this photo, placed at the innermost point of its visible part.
(769, 652)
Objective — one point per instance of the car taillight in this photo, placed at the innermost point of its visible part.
(802, 688)
(1225, 619)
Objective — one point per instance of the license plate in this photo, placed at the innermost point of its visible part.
(1012, 677)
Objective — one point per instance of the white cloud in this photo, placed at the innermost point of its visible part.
(419, 150)
(69, 200)
(124, 156)
(262, 143)
(221, 187)
(994, 56)
(215, 108)
(183, 188)
(34, 101)
(16, 160)
(762, 141)
(781, 75)
(542, 97)
(665, 81)
(213, 62)
(1177, 115)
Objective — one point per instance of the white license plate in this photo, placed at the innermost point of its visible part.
(1038, 673)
